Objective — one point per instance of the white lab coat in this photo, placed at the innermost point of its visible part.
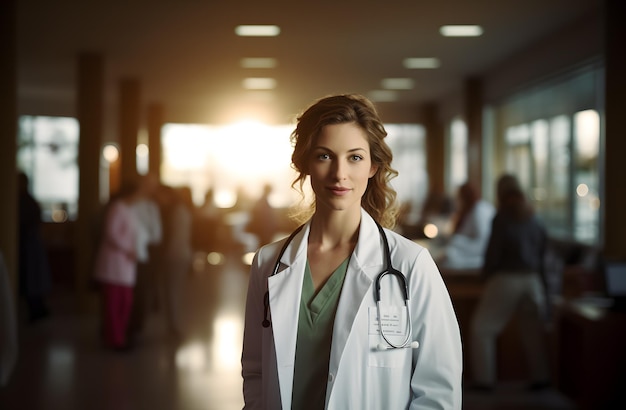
(360, 376)
(466, 249)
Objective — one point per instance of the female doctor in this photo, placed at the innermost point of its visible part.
(312, 337)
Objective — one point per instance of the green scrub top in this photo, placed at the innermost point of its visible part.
(315, 331)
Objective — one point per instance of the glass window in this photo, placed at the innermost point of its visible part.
(241, 158)
(540, 139)
(47, 152)
(586, 175)
(407, 142)
(457, 155)
(551, 139)
(557, 211)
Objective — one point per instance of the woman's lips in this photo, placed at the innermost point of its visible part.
(339, 190)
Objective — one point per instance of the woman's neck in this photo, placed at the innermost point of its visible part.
(334, 229)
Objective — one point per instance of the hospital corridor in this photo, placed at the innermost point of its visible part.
(62, 363)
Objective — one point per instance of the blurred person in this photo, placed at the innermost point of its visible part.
(149, 235)
(262, 218)
(116, 265)
(315, 336)
(176, 252)
(470, 232)
(437, 209)
(207, 224)
(514, 268)
(35, 280)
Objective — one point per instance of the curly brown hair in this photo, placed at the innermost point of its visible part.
(379, 199)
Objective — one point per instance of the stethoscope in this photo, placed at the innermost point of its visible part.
(389, 271)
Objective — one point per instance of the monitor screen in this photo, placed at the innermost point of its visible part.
(615, 276)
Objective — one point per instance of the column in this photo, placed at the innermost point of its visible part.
(89, 108)
(615, 131)
(8, 139)
(156, 117)
(129, 116)
(434, 147)
(473, 106)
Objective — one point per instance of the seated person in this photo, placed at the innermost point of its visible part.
(471, 229)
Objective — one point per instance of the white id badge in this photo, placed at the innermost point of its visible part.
(393, 321)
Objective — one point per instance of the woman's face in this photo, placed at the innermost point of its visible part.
(340, 166)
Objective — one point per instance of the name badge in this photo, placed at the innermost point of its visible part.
(393, 320)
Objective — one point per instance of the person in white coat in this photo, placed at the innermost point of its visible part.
(312, 337)
(465, 250)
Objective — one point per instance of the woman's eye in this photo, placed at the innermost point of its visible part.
(323, 156)
(357, 158)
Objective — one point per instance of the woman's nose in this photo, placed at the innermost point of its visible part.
(340, 170)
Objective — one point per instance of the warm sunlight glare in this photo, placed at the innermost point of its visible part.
(226, 350)
(191, 357)
(230, 160)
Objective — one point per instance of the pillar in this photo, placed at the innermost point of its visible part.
(156, 119)
(473, 106)
(435, 153)
(8, 139)
(615, 131)
(129, 118)
(89, 108)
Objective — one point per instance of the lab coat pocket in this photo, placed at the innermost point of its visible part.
(381, 354)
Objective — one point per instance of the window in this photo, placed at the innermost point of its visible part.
(552, 143)
(586, 175)
(457, 155)
(47, 153)
(239, 159)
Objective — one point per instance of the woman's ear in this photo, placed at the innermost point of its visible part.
(373, 170)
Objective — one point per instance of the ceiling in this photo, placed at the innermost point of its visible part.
(186, 55)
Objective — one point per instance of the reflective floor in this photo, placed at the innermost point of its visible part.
(62, 364)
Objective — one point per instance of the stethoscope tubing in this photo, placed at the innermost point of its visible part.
(389, 271)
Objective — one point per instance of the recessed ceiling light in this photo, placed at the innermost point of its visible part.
(397, 83)
(258, 83)
(258, 62)
(382, 96)
(461, 31)
(257, 30)
(416, 62)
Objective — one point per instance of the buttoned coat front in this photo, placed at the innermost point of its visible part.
(361, 375)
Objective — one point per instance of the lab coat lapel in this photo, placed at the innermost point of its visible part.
(285, 289)
(366, 262)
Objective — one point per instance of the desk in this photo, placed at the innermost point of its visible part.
(592, 354)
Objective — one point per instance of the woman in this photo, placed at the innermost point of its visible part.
(115, 266)
(312, 339)
(513, 265)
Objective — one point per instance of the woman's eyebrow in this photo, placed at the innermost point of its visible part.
(321, 147)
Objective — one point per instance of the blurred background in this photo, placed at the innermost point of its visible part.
(204, 95)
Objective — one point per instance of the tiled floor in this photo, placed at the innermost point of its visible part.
(62, 364)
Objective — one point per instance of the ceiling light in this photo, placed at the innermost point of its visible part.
(257, 30)
(461, 31)
(382, 96)
(397, 83)
(256, 83)
(416, 62)
(258, 62)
